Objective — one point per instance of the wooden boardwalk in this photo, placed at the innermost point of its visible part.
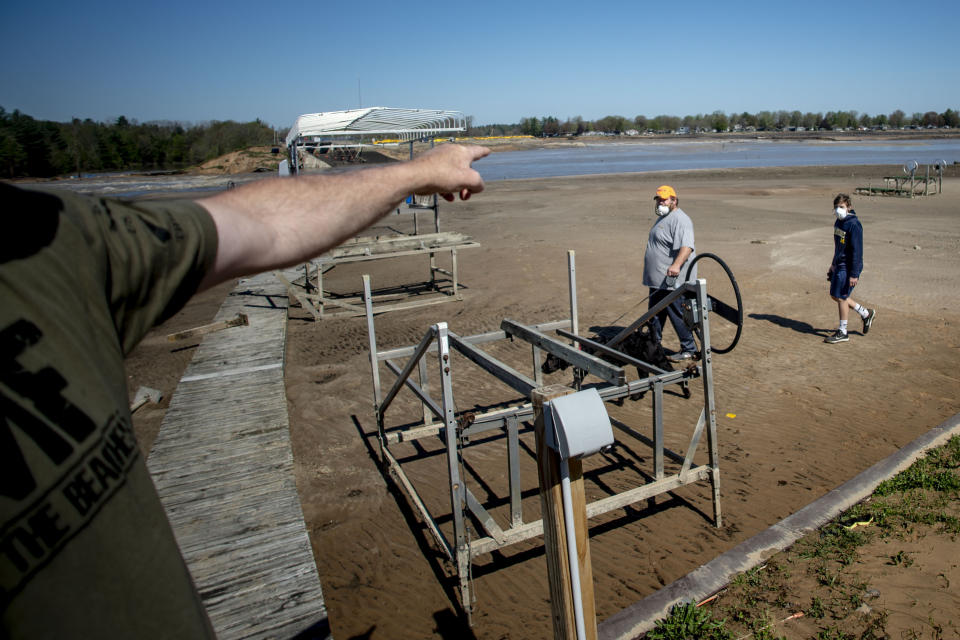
(223, 467)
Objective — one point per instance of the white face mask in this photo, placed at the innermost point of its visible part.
(662, 210)
(841, 213)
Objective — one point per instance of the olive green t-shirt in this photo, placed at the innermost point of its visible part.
(85, 547)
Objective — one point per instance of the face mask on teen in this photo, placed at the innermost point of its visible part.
(841, 213)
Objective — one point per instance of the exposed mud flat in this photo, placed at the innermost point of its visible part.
(796, 417)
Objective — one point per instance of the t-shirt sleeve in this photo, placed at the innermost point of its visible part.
(683, 237)
(153, 255)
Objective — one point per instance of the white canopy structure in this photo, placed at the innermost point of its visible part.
(362, 125)
(317, 139)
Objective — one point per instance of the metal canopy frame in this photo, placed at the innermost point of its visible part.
(440, 419)
(355, 128)
(352, 130)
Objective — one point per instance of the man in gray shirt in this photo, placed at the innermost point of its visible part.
(669, 246)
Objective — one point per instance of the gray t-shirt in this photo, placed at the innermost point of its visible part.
(668, 234)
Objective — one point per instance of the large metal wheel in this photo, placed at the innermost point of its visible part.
(732, 314)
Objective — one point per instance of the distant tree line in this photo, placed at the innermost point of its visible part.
(720, 122)
(41, 148)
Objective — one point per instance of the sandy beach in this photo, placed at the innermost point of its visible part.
(796, 417)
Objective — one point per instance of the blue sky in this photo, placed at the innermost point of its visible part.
(498, 61)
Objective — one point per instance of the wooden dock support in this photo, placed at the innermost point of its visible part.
(555, 532)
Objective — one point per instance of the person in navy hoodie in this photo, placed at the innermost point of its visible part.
(845, 269)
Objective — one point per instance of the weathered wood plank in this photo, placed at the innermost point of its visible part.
(223, 467)
(388, 244)
(238, 321)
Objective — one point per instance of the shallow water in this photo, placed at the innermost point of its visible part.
(604, 158)
(632, 157)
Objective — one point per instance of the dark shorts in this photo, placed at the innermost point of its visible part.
(840, 285)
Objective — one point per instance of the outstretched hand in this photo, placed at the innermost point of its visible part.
(280, 222)
(447, 170)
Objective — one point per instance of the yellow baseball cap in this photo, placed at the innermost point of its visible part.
(665, 192)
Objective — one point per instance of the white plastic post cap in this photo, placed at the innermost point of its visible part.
(577, 425)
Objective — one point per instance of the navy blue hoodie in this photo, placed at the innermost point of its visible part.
(848, 245)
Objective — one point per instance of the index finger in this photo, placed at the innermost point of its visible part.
(477, 151)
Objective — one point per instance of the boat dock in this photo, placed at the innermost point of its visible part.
(223, 466)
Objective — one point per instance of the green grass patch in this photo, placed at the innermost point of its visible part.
(686, 620)
(817, 578)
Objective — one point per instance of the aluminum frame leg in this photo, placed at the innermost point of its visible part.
(457, 489)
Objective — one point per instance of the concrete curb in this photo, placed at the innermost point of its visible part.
(706, 580)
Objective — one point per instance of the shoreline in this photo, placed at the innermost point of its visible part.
(515, 143)
(831, 171)
(223, 166)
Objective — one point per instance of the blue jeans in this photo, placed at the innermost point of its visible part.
(675, 311)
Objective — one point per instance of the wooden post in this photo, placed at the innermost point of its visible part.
(300, 297)
(554, 530)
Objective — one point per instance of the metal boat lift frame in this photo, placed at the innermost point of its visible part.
(918, 185)
(309, 289)
(453, 429)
